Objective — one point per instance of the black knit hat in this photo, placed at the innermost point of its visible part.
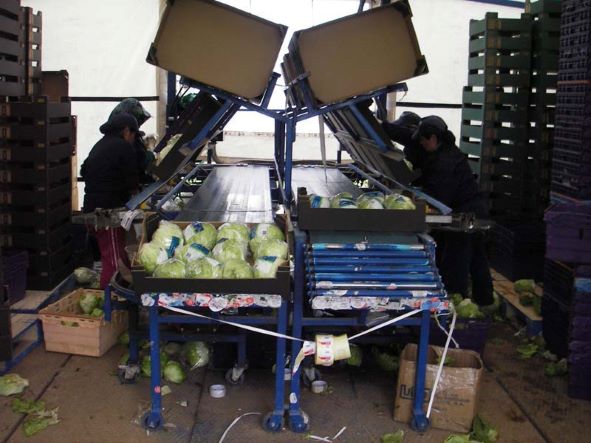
(431, 125)
(118, 122)
(408, 119)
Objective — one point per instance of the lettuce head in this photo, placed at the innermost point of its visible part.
(171, 268)
(151, 255)
(228, 249)
(236, 269)
(201, 233)
(205, 268)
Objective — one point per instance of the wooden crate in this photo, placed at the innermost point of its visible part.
(66, 329)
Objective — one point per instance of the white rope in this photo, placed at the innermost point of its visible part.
(445, 331)
(441, 363)
(234, 422)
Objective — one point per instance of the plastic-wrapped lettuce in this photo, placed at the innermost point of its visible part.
(236, 269)
(145, 365)
(234, 231)
(370, 203)
(151, 255)
(266, 267)
(201, 233)
(343, 200)
(398, 201)
(97, 312)
(171, 268)
(11, 384)
(168, 236)
(228, 249)
(267, 230)
(174, 372)
(272, 248)
(204, 268)
(373, 195)
(196, 353)
(191, 252)
(316, 201)
(88, 302)
(172, 348)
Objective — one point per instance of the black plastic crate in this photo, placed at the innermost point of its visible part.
(37, 239)
(44, 261)
(49, 195)
(35, 152)
(40, 215)
(573, 154)
(556, 325)
(40, 108)
(14, 273)
(60, 130)
(559, 280)
(39, 174)
(573, 179)
(46, 281)
(515, 80)
(492, 96)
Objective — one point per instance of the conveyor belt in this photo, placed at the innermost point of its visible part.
(315, 181)
(232, 194)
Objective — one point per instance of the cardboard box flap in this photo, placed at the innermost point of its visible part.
(217, 45)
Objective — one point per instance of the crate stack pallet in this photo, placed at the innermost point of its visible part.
(567, 279)
(35, 159)
(495, 136)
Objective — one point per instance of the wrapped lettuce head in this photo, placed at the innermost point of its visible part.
(236, 269)
(370, 203)
(201, 233)
(204, 268)
(267, 230)
(229, 250)
(316, 201)
(85, 276)
(343, 200)
(374, 195)
(266, 267)
(398, 201)
(171, 268)
(234, 231)
(191, 252)
(272, 248)
(151, 255)
(168, 236)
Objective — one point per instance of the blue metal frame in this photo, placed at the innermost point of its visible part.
(53, 296)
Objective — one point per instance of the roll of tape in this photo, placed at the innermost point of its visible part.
(330, 348)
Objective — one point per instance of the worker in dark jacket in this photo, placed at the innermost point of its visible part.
(446, 176)
(144, 156)
(111, 175)
(401, 131)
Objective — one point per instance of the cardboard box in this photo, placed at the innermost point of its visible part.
(217, 45)
(67, 329)
(359, 53)
(456, 399)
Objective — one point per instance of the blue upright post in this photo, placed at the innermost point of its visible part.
(154, 418)
(419, 420)
(280, 146)
(108, 307)
(291, 135)
(298, 422)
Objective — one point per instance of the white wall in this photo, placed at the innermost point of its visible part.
(103, 45)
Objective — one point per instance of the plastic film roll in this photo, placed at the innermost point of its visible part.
(331, 348)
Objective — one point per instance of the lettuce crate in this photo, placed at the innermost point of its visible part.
(67, 329)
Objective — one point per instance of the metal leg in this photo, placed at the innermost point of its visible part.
(108, 307)
(298, 420)
(274, 420)
(133, 330)
(153, 419)
(419, 421)
(235, 375)
(291, 135)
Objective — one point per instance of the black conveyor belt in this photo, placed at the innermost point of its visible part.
(315, 181)
(232, 194)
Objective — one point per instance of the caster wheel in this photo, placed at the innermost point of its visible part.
(272, 422)
(309, 375)
(151, 421)
(128, 374)
(299, 423)
(234, 381)
(419, 424)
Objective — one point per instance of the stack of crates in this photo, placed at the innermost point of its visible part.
(35, 157)
(495, 135)
(545, 43)
(567, 281)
